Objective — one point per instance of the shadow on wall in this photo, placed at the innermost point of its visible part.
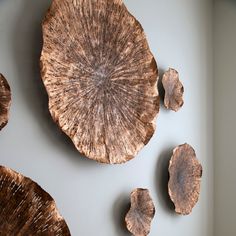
(26, 48)
(161, 91)
(162, 178)
(160, 87)
(120, 209)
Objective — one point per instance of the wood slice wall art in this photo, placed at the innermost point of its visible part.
(185, 177)
(138, 219)
(5, 101)
(26, 209)
(174, 90)
(101, 78)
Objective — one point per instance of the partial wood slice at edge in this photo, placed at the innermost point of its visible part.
(5, 101)
(20, 196)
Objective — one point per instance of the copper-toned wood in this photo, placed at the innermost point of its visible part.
(101, 78)
(185, 177)
(5, 101)
(26, 209)
(173, 90)
(138, 219)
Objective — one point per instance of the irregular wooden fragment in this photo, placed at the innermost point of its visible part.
(26, 209)
(5, 101)
(142, 210)
(173, 90)
(185, 177)
(101, 78)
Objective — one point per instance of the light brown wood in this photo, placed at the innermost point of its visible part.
(185, 177)
(101, 78)
(138, 219)
(173, 90)
(5, 101)
(26, 209)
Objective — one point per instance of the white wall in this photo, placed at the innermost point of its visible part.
(93, 197)
(225, 117)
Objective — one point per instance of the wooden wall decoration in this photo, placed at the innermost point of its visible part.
(5, 101)
(139, 217)
(174, 90)
(185, 178)
(26, 209)
(101, 78)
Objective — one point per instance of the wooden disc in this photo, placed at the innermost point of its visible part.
(101, 78)
(174, 90)
(138, 219)
(185, 178)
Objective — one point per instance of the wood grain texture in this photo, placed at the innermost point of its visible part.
(101, 78)
(138, 219)
(185, 178)
(26, 209)
(174, 90)
(5, 101)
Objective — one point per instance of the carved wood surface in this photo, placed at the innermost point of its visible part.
(174, 90)
(26, 209)
(138, 219)
(185, 178)
(101, 78)
(5, 101)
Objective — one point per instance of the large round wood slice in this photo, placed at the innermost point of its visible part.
(5, 101)
(185, 178)
(101, 78)
(26, 209)
(139, 217)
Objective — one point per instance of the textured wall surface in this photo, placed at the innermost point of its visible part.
(225, 116)
(93, 197)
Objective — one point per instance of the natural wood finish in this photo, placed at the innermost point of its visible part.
(5, 101)
(26, 209)
(185, 177)
(142, 210)
(101, 78)
(173, 90)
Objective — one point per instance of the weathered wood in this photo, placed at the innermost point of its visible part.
(185, 177)
(173, 90)
(101, 78)
(26, 209)
(138, 219)
(5, 101)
